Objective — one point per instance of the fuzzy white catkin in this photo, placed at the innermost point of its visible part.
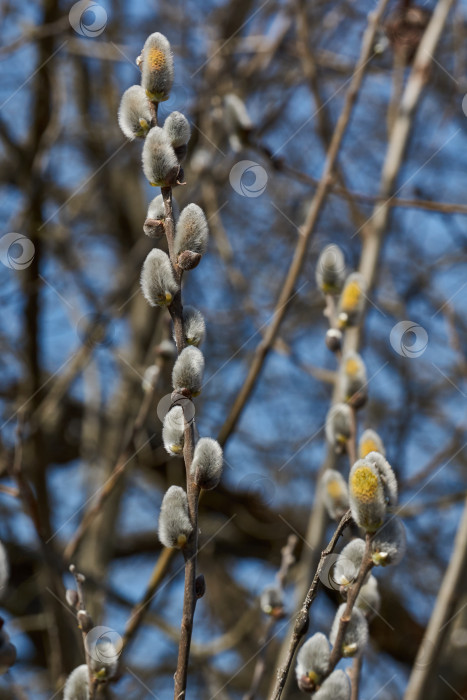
(174, 523)
(335, 493)
(206, 467)
(134, 113)
(335, 687)
(157, 70)
(348, 562)
(351, 301)
(157, 279)
(194, 325)
(370, 441)
(77, 685)
(338, 425)
(177, 127)
(389, 543)
(366, 495)
(387, 476)
(191, 232)
(330, 269)
(173, 431)
(188, 370)
(160, 164)
(356, 632)
(313, 658)
(156, 209)
(104, 659)
(4, 569)
(369, 599)
(352, 375)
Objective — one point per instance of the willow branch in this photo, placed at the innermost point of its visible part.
(301, 622)
(288, 287)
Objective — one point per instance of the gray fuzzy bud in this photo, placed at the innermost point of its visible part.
(134, 113)
(272, 601)
(389, 543)
(157, 279)
(150, 377)
(77, 685)
(192, 231)
(356, 632)
(351, 301)
(194, 325)
(349, 562)
(174, 522)
(335, 687)
(338, 426)
(156, 208)
(330, 270)
(352, 379)
(173, 431)
(160, 164)
(369, 599)
(312, 662)
(370, 441)
(206, 468)
(157, 67)
(335, 493)
(177, 127)
(188, 371)
(387, 476)
(366, 495)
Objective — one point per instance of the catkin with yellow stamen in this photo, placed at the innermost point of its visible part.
(366, 495)
(157, 69)
(351, 301)
(370, 441)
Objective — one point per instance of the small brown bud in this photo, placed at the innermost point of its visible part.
(359, 399)
(334, 339)
(200, 586)
(84, 620)
(154, 228)
(188, 260)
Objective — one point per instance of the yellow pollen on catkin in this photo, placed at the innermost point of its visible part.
(334, 489)
(350, 296)
(364, 484)
(313, 676)
(156, 59)
(352, 366)
(175, 448)
(368, 446)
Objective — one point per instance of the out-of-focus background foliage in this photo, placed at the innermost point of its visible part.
(76, 335)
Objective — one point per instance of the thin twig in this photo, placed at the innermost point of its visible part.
(301, 622)
(355, 676)
(287, 560)
(307, 230)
